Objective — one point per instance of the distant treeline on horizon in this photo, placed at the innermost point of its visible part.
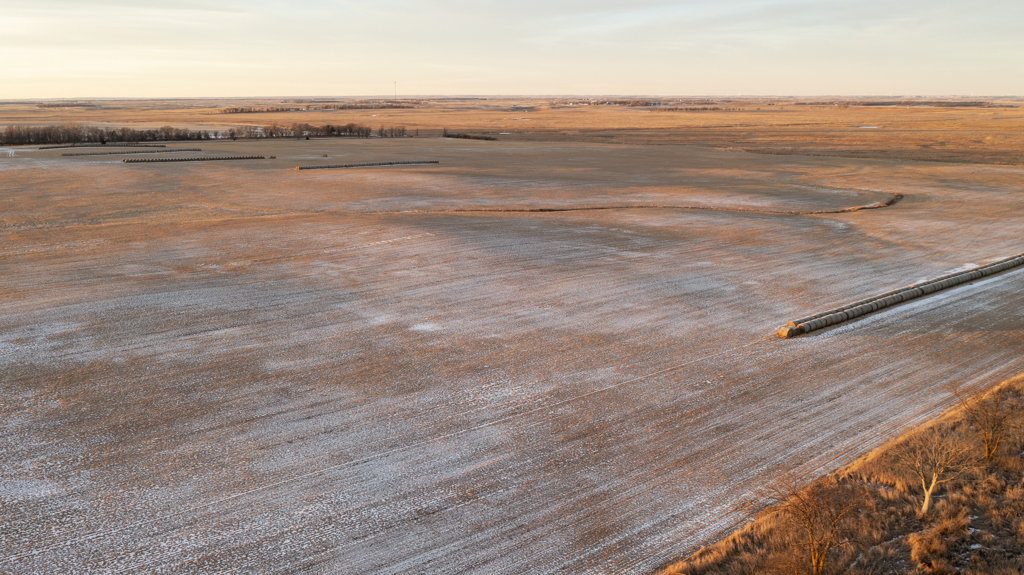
(77, 134)
(320, 106)
(275, 130)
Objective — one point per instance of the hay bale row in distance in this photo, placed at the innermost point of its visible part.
(134, 152)
(884, 300)
(898, 291)
(211, 159)
(367, 164)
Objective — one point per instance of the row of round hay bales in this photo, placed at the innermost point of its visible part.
(881, 301)
(210, 159)
(367, 164)
(134, 152)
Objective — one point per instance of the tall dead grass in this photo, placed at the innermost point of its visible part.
(975, 525)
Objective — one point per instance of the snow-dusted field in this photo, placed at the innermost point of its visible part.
(248, 368)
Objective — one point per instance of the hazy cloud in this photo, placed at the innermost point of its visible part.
(203, 47)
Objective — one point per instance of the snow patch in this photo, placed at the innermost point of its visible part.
(23, 489)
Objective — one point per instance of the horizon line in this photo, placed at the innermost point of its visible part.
(494, 96)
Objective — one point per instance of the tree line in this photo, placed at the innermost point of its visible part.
(298, 130)
(253, 110)
(69, 133)
(658, 104)
(392, 132)
(381, 106)
(59, 105)
(403, 102)
(464, 136)
(346, 106)
(695, 109)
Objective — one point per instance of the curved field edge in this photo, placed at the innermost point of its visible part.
(206, 212)
(877, 205)
(975, 523)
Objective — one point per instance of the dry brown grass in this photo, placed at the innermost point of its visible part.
(941, 134)
(975, 526)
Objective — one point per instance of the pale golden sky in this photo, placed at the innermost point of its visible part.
(173, 48)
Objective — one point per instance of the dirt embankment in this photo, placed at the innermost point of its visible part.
(868, 518)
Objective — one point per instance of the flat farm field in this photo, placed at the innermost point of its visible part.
(532, 357)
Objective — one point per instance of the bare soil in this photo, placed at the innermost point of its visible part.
(242, 367)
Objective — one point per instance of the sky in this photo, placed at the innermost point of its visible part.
(234, 48)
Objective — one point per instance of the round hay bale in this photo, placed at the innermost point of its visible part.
(787, 332)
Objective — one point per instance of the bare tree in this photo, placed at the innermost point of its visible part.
(934, 458)
(820, 512)
(990, 414)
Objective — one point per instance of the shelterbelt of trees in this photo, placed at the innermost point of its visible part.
(354, 106)
(78, 134)
(70, 134)
(297, 130)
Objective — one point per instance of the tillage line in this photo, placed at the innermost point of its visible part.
(150, 160)
(367, 164)
(889, 298)
(135, 152)
(101, 533)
